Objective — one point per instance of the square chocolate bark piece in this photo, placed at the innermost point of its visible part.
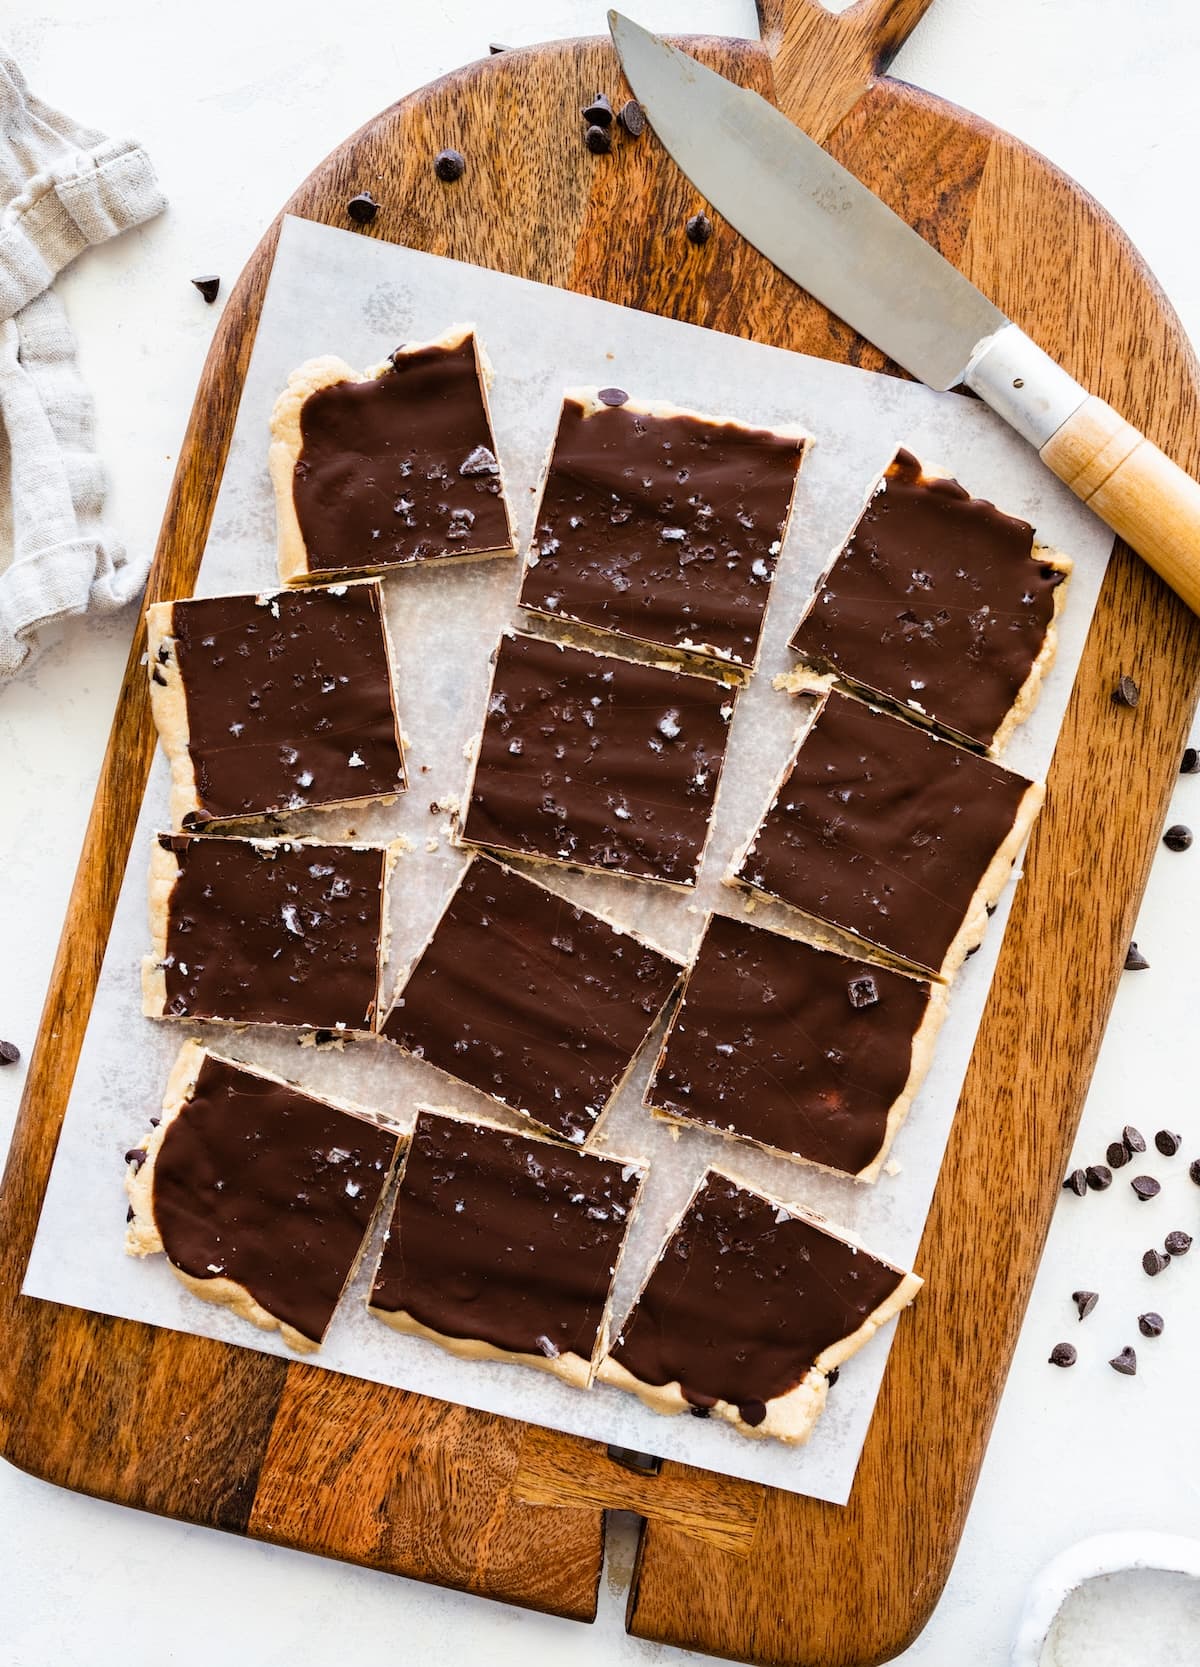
(891, 835)
(598, 762)
(260, 1196)
(265, 931)
(276, 702)
(751, 1304)
(940, 604)
(390, 469)
(796, 1049)
(504, 1246)
(661, 526)
(531, 1000)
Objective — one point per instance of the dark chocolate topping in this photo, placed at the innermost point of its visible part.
(504, 1240)
(664, 529)
(598, 762)
(286, 935)
(379, 481)
(531, 1000)
(883, 830)
(289, 699)
(258, 1183)
(766, 1044)
(937, 600)
(741, 1302)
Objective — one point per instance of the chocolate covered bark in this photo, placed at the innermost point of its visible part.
(597, 762)
(260, 1196)
(276, 702)
(504, 1245)
(941, 604)
(804, 1052)
(390, 469)
(891, 835)
(661, 526)
(531, 1000)
(751, 1304)
(265, 931)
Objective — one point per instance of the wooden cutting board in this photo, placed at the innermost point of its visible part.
(287, 1453)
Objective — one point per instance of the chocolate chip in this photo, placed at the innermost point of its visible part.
(598, 140)
(699, 229)
(1178, 1242)
(1177, 838)
(1146, 1187)
(599, 113)
(1085, 1301)
(495, 48)
(632, 118)
(863, 992)
(612, 396)
(362, 209)
(156, 676)
(1063, 1354)
(833, 1375)
(1126, 692)
(1135, 1140)
(136, 1156)
(1153, 1262)
(1190, 763)
(209, 286)
(9, 1053)
(1135, 961)
(698, 1412)
(449, 165)
(1076, 1181)
(1098, 1176)
(1168, 1143)
(1151, 1324)
(1125, 1363)
(1194, 1170)
(1116, 1154)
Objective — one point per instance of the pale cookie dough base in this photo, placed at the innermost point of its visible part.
(287, 442)
(791, 1417)
(142, 1237)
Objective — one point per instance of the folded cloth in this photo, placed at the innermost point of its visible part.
(62, 188)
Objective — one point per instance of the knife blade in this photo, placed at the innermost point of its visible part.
(835, 238)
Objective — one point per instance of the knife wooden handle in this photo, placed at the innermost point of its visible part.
(1135, 489)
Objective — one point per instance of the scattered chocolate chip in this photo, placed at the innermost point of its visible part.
(698, 1412)
(1151, 1324)
(449, 165)
(9, 1053)
(1190, 762)
(632, 118)
(1125, 1363)
(1135, 1140)
(612, 396)
(1153, 1262)
(1135, 961)
(1116, 1154)
(1063, 1354)
(699, 229)
(155, 1121)
(495, 48)
(1126, 692)
(362, 209)
(598, 140)
(1168, 1144)
(1085, 1301)
(209, 286)
(1076, 1181)
(1177, 838)
(136, 1156)
(863, 992)
(834, 1374)
(1146, 1187)
(1194, 1170)
(599, 113)
(1178, 1242)
(1098, 1176)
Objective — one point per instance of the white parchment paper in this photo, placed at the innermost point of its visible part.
(338, 292)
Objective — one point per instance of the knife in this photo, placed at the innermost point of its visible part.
(840, 242)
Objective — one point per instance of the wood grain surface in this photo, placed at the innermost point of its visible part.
(244, 1441)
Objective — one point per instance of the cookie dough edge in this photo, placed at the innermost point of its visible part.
(1030, 691)
(168, 706)
(164, 872)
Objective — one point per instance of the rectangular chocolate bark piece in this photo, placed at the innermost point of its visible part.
(276, 702)
(751, 1304)
(940, 604)
(531, 1000)
(798, 1050)
(660, 525)
(266, 931)
(504, 1245)
(598, 762)
(885, 832)
(389, 469)
(260, 1196)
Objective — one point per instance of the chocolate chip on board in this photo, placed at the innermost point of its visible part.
(1146, 1187)
(699, 229)
(1135, 1140)
(1076, 1181)
(613, 396)
(1153, 1262)
(495, 48)
(449, 165)
(9, 1053)
(1085, 1301)
(1167, 1142)
(1125, 1363)
(1063, 1354)
(832, 1376)
(1190, 762)
(1178, 1243)
(1135, 961)
(1177, 837)
(1194, 1170)
(1098, 1176)
(1126, 692)
(1116, 1154)
(362, 209)
(1150, 1324)
(632, 118)
(599, 113)
(136, 1156)
(209, 286)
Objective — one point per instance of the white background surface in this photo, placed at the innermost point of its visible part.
(236, 101)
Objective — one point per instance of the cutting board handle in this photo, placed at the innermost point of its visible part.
(824, 61)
